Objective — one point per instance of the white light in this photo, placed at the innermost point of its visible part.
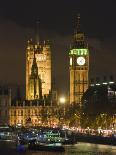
(35, 46)
(105, 83)
(97, 84)
(111, 82)
(62, 100)
(71, 61)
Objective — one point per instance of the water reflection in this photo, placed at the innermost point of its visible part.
(83, 149)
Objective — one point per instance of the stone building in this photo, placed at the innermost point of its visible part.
(79, 65)
(38, 70)
(33, 113)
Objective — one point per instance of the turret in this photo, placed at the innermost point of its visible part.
(38, 47)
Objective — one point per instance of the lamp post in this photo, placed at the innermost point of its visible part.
(62, 101)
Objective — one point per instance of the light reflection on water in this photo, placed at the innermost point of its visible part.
(82, 149)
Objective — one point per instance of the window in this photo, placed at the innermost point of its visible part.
(21, 112)
(14, 112)
(28, 112)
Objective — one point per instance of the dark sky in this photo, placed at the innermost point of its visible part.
(57, 21)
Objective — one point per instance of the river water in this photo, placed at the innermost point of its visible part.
(82, 149)
(77, 149)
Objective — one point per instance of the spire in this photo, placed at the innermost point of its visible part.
(37, 33)
(34, 69)
(34, 81)
(78, 23)
(34, 60)
(79, 37)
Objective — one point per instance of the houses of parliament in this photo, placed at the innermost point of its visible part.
(40, 106)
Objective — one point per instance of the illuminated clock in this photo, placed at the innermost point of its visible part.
(71, 61)
(80, 61)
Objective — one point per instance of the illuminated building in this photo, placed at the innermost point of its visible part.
(79, 66)
(32, 113)
(38, 70)
(39, 108)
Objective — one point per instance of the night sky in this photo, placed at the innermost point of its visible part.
(57, 22)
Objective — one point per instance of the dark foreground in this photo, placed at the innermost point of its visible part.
(77, 149)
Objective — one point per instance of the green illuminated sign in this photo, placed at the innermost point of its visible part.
(78, 52)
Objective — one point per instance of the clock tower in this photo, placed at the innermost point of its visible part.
(79, 65)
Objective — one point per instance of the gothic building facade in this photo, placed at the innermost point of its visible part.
(38, 107)
(38, 70)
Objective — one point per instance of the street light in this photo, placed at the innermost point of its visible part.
(62, 100)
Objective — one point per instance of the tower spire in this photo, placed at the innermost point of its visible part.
(77, 29)
(37, 33)
(34, 65)
(78, 23)
(34, 80)
(79, 37)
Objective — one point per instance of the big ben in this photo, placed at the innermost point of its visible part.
(79, 65)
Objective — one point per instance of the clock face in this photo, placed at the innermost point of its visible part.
(80, 61)
(71, 61)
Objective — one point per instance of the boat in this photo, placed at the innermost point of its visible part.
(7, 137)
(68, 139)
(27, 136)
(50, 136)
(51, 146)
(47, 141)
(23, 139)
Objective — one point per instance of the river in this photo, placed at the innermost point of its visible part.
(77, 149)
(83, 149)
